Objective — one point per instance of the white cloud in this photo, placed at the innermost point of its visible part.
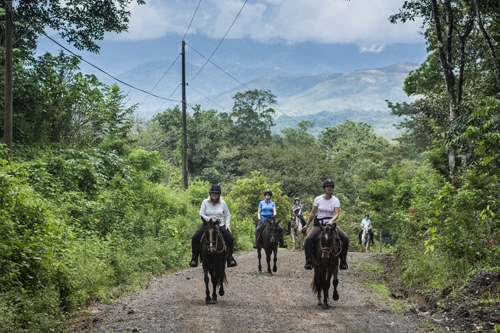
(363, 22)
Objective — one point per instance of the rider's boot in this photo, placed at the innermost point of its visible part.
(256, 239)
(282, 242)
(194, 258)
(230, 260)
(308, 248)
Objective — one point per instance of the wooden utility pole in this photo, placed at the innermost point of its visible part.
(184, 126)
(7, 124)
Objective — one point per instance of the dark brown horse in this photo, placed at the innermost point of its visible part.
(269, 241)
(326, 264)
(213, 257)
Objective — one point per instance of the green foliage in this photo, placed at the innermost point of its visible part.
(76, 226)
(79, 25)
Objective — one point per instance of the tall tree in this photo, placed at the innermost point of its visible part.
(462, 52)
(253, 116)
(81, 23)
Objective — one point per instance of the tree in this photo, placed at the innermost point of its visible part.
(357, 155)
(81, 23)
(253, 117)
(56, 104)
(460, 37)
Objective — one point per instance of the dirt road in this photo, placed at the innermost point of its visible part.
(254, 302)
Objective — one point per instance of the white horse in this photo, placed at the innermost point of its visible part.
(296, 232)
(366, 238)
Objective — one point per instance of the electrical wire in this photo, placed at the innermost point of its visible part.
(219, 42)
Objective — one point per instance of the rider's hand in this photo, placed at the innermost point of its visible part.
(229, 229)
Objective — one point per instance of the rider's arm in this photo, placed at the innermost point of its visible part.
(258, 213)
(227, 214)
(203, 210)
(312, 214)
(335, 215)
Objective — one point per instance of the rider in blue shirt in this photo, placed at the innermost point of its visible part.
(267, 209)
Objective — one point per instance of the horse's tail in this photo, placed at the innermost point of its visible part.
(314, 289)
(315, 283)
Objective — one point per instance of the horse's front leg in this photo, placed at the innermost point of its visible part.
(275, 259)
(213, 276)
(208, 300)
(259, 255)
(326, 289)
(335, 280)
(268, 260)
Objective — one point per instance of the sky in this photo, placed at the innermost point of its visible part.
(358, 28)
(362, 22)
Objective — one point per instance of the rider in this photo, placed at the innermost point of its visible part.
(366, 221)
(267, 209)
(297, 209)
(327, 206)
(214, 208)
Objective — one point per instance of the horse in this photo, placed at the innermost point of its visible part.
(326, 264)
(213, 257)
(269, 241)
(296, 232)
(366, 238)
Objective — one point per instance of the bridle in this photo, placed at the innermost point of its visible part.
(213, 237)
(328, 236)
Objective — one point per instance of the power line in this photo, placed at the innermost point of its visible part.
(192, 18)
(219, 42)
(103, 71)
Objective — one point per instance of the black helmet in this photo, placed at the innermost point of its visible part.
(367, 215)
(296, 199)
(215, 189)
(328, 182)
(268, 191)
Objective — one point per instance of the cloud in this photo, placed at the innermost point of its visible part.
(363, 22)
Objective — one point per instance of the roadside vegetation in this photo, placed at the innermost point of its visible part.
(92, 202)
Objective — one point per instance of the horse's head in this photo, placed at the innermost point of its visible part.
(212, 235)
(272, 229)
(328, 240)
(295, 221)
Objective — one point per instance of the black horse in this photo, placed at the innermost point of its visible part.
(269, 241)
(213, 257)
(326, 263)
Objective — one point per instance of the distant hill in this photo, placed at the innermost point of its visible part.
(328, 99)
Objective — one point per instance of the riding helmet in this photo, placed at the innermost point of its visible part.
(268, 191)
(328, 182)
(215, 189)
(296, 199)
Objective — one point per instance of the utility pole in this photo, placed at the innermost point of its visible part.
(184, 127)
(7, 124)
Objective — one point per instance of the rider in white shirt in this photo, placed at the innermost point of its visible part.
(366, 222)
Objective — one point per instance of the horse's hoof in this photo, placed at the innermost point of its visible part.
(214, 300)
(275, 269)
(335, 297)
(325, 306)
(221, 292)
(208, 300)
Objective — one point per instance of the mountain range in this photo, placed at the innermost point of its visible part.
(326, 84)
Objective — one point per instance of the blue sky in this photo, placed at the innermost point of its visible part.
(355, 34)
